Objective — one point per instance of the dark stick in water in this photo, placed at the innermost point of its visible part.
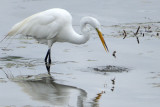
(125, 34)
(114, 54)
(135, 34)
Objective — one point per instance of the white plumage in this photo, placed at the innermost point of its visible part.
(55, 25)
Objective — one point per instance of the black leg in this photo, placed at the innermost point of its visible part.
(49, 59)
(48, 52)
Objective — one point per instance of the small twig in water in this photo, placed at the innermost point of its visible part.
(135, 34)
(137, 40)
(137, 31)
(157, 34)
(114, 54)
(125, 34)
(112, 89)
(113, 81)
(143, 34)
(149, 27)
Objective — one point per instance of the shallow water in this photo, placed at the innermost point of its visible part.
(83, 75)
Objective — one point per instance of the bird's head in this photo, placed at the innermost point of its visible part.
(96, 25)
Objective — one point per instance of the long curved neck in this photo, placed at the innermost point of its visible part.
(78, 38)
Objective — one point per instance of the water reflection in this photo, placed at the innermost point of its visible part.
(43, 87)
(155, 76)
(48, 66)
(98, 97)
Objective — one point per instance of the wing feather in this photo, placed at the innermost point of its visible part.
(38, 25)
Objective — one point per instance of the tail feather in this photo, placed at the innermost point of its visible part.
(11, 33)
(14, 29)
(4, 38)
(7, 39)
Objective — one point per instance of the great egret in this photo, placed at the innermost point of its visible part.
(55, 25)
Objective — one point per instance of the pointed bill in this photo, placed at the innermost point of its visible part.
(102, 40)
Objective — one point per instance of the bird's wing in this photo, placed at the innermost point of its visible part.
(37, 25)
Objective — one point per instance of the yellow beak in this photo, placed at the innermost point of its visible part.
(102, 40)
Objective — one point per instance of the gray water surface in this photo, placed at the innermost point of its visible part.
(83, 75)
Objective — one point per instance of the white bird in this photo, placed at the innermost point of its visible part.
(55, 25)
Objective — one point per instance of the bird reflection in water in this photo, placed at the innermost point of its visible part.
(48, 66)
(43, 88)
(99, 95)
